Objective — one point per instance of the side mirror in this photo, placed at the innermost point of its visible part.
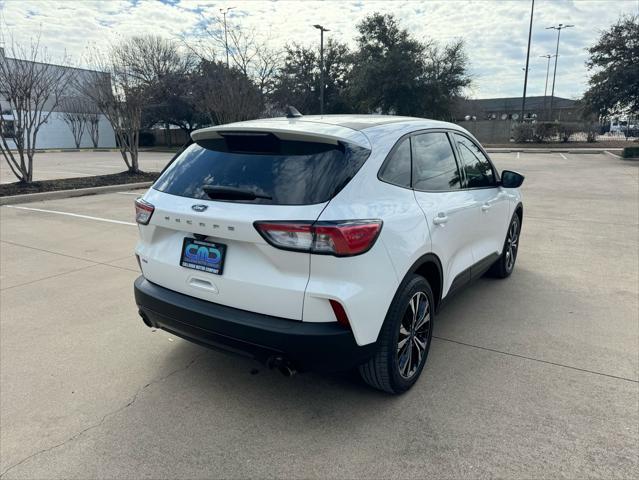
(510, 179)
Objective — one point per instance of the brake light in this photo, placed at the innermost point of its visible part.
(143, 211)
(341, 239)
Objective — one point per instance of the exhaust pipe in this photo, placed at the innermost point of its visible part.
(287, 370)
(282, 364)
(145, 319)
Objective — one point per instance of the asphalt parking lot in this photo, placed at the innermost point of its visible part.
(70, 164)
(534, 376)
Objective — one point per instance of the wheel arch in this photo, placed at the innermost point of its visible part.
(430, 267)
(519, 210)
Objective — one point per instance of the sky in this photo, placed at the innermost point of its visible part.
(495, 32)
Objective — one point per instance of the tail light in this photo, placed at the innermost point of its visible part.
(143, 211)
(341, 239)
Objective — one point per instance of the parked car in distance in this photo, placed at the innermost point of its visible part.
(323, 242)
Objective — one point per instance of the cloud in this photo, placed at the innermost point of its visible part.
(495, 32)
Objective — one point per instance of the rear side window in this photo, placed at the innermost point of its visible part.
(397, 169)
(434, 165)
(476, 166)
(278, 172)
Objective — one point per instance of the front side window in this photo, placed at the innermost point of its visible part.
(476, 166)
(397, 169)
(434, 165)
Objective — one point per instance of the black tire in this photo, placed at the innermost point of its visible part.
(382, 371)
(505, 265)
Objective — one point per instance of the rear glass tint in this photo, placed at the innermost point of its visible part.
(289, 172)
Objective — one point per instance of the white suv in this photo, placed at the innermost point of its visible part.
(323, 242)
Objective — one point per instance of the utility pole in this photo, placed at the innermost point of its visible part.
(523, 100)
(224, 11)
(322, 30)
(559, 28)
(547, 72)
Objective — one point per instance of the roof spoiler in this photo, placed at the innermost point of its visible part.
(286, 131)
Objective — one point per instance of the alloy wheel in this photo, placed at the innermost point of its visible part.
(414, 332)
(511, 244)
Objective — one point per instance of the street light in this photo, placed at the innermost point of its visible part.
(224, 11)
(523, 99)
(322, 30)
(547, 72)
(559, 28)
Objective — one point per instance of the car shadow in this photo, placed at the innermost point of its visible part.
(255, 386)
(253, 394)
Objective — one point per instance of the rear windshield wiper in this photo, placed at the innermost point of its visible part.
(231, 193)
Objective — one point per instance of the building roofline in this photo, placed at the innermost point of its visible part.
(57, 65)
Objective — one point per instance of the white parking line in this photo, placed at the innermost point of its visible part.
(612, 154)
(139, 194)
(562, 156)
(68, 214)
(518, 155)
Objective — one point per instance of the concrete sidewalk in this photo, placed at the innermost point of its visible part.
(69, 164)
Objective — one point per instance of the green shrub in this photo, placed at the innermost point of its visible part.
(542, 132)
(565, 131)
(545, 131)
(631, 152)
(524, 132)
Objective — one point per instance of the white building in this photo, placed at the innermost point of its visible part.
(55, 133)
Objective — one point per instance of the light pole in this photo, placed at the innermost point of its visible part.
(224, 11)
(523, 100)
(547, 72)
(559, 28)
(322, 30)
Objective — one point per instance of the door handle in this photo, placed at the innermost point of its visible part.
(440, 219)
(485, 207)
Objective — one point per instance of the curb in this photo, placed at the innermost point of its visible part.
(78, 192)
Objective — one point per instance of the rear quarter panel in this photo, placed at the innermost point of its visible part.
(366, 284)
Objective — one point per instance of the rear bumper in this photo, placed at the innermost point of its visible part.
(308, 346)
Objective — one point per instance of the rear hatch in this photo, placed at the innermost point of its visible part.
(206, 202)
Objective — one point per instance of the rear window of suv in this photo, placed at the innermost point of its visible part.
(285, 172)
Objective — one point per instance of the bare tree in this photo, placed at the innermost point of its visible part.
(32, 88)
(135, 77)
(166, 71)
(253, 57)
(249, 54)
(116, 88)
(227, 95)
(74, 114)
(150, 58)
(93, 122)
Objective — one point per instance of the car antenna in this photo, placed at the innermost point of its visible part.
(292, 112)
